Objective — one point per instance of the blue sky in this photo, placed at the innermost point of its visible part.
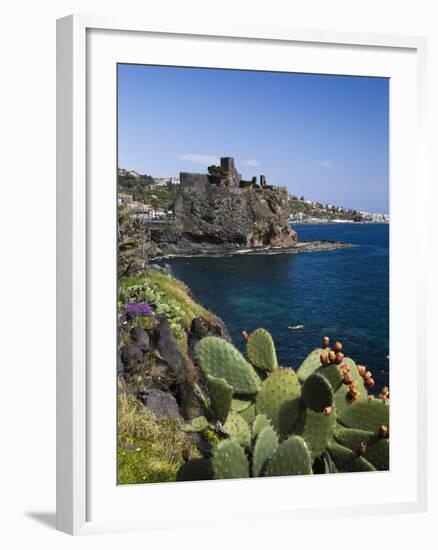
(324, 137)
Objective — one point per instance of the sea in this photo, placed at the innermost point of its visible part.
(299, 298)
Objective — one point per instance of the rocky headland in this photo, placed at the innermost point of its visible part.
(218, 214)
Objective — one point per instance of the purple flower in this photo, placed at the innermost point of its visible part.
(138, 308)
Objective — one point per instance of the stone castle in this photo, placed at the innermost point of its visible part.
(219, 208)
(231, 179)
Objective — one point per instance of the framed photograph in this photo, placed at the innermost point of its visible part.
(239, 322)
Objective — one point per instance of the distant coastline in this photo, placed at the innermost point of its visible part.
(335, 222)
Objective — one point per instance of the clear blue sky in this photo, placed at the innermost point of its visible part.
(324, 137)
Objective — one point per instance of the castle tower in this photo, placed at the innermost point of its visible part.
(233, 177)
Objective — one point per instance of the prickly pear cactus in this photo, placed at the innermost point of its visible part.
(317, 392)
(261, 350)
(332, 373)
(221, 395)
(318, 420)
(238, 430)
(222, 360)
(279, 399)
(366, 415)
(347, 460)
(229, 461)
(239, 405)
(265, 446)
(260, 422)
(310, 364)
(375, 446)
(292, 457)
(316, 428)
(249, 414)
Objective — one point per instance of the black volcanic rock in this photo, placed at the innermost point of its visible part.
(247, 217)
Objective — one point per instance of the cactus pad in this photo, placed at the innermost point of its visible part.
(222, 360)
(347, 460)
(316, 429)
(341, 398)
(249, 414)
(317, 392)
(198, 424)
(195, 470)
(238, 429)
(279, 399)
(310, 364)
(332, 372)
(265, 446)
(292, 457)
(366, 415)
(260, 422)
(377, 449)
(240, 405)
(229, 461)
(261, 350)
(221, 394)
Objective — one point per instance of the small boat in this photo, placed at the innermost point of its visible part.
(295, 327)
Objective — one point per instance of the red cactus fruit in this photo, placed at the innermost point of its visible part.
(244, 335)
(384, 398)
(337, 346)
(353, 394)
(361, 369)
(323, 357)
(369, 382)
(348, 379)
(327, 410)
(361, 448)
(332, 356)
(385, 390)
(325, 342)
(345, 368)
(353, 385)
(339, 357)
(368, 374)
(384, 431)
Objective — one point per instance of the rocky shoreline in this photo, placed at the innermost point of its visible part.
(196, 250)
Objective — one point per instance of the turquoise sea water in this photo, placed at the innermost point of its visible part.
(341, 293)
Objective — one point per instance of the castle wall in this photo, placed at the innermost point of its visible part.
(193, 179)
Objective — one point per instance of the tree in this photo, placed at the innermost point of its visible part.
(216, 174)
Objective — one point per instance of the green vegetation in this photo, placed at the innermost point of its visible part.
(278, 422)
(254, 417)
(150, 449)
(216, 174)
(298, 205)
(143, 189)
(165, 295)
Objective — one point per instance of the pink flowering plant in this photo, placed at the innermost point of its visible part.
(138, 308)
(143, 301)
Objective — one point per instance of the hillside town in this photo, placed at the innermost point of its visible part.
(303, 210)
(152, 199)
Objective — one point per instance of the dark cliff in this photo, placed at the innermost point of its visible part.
(252, 217)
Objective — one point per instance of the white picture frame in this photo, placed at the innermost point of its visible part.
(78, 446)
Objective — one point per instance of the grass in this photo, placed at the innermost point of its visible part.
(165, 293)
(180, 293)
(150, 448)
